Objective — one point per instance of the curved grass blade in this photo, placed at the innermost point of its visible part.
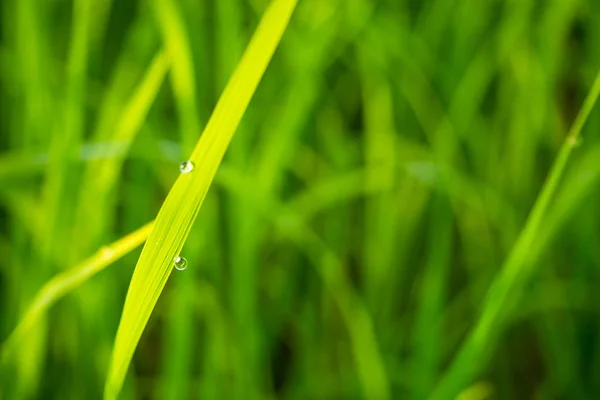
(63, 146)
(66, 281)
(183, 80)
(517, 269)
(101, 175)
(181, 206)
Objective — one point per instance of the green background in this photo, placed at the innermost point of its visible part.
(372, 193)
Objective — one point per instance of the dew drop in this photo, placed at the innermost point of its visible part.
(180, 263)
(186, 167)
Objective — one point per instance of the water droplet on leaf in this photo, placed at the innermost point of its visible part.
(180, 263)
(186, 167)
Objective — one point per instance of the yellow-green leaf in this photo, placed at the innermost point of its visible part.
(183, 202)
(68, 280)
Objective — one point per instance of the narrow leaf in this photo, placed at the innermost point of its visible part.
(181, 206)
(516, 271)
(68, 280)
(101, 175)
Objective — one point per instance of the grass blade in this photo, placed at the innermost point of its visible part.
(181, 206)
(516, 268)
(64, 145)
(68, 280)
(182, 72)
(102, 175)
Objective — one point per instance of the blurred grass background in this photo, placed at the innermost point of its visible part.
(376, 185)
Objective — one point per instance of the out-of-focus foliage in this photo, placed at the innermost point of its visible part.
(375, 188)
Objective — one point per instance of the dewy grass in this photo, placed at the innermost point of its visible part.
(317, 269)
(181, 206)
(516, 269)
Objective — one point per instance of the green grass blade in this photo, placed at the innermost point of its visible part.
(516, 269)
(427, 353)
(102, 175)
(182, 72)
(66, 281)
(181, 206)
(64, 145)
